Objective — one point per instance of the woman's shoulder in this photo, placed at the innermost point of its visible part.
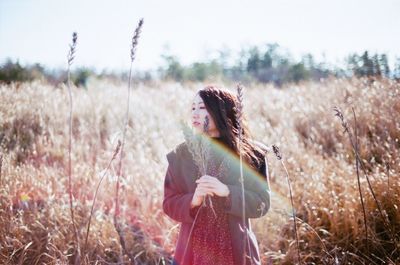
(261, 152)
(178, 151)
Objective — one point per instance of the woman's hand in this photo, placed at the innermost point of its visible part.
(199, 195)
(213, 185)
(208, 185)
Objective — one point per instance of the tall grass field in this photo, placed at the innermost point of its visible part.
(345, 183)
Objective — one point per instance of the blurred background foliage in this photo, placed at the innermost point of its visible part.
(269, 63)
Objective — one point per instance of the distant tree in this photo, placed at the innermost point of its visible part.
(270, 65)
(384, 64)
(396, 71)
(353, 64)
(376, 69)
(315, 70)
(367, 65)
(197, 72)
(254, 62)
(308, 61)
(11, 71)
(37, 71)
(271, 56)
(174, 69)
(268, 56)
(81, 76)
(215, 69)
(297, 72)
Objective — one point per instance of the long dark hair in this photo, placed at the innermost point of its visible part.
(222, 105)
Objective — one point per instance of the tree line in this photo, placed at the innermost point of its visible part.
(267, 64)
(272, 64)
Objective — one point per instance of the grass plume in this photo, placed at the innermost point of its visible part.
(239, 118)
(338, 113)
(359, 162)
(117, 225)
(70, 57)
(278, 155)
(239, 114)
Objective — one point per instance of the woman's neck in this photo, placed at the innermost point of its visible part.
(214, 134)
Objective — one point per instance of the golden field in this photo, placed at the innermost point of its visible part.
(35, 221)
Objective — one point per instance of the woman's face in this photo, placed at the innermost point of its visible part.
(199, 114)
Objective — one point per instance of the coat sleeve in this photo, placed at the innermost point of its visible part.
(256, 191)
(176, 202)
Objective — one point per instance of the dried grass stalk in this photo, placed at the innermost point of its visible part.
(117, 225)
(1, 164)
(279, 157)
(359, 162)
(239, 114)
(70, 57)
(116, 151)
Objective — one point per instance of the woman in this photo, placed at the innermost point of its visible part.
(206, 197)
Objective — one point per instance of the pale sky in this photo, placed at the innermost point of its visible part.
(40, 30)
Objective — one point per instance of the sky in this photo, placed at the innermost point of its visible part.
(39, 31)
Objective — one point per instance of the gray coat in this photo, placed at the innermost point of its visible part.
(179, 188)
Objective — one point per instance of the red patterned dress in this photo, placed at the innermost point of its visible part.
(211, 238)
